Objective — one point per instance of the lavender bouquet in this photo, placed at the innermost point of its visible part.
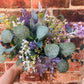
(40, 40)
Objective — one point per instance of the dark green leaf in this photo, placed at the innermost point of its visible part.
(18, 62)
(77, 50)
(2, 58)
(2, 49)
(9, 50)
(72, 60)
(76, 60)
(69, 30)
(25, 67)
(39, 44)
(81, 62)
(62, 17)
(12, 55)
(81, 48)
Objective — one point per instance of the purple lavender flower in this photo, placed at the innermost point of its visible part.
(32, 45)
(25, 16)
(56, 60)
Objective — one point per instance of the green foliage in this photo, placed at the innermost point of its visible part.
(62, 17)
(82, 46)
(21, 32)
(12, 55)
(63, 66)
(9, 50)
(25, 67)
(6, 36)
(42, 32)
(69, 30)
(39, 44)
(40, 7)
(2, 49)
(67, 48)
(2, 55)
(18, 62)
(2, 58)
(34, 15)
(51, 50)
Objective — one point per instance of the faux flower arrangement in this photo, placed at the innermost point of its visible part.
(41, 41)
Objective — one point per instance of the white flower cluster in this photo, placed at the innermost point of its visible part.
(25, 51)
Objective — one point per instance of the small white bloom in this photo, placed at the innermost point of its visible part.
(18, 22)
(14, 24)
(20, 51)
(25, 52)
(26, 57)
(18, 18)
(25, 46)
(28, 51)
(24, 62)
(20, 57)
(23, 40)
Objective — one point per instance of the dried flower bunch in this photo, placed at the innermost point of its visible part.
(40, 40)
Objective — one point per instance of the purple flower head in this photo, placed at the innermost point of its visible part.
(67, 26)
(25, 16)
(32, 45)
(56, 60)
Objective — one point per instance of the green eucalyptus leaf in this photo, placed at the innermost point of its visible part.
(9, 50)
(51, 50)
(32, 23)
(82, 46)
(62, 17)
(2, 49)
(39, 44)
(45, 13)
(34, 15)
(12, 55)
(67, 48)
(6, 36)
(42, 32)
(18, 62)
(62, 66)
(2, 58)
(25, 67)
(21, 32)
(40, 7)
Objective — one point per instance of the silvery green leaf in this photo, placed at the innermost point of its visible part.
(2, 49)
(34, 15)
(62, 66)
(25, 67)
(2, 58)
(40, 7)
(51, 50)
(45, 13)
(67, 48)
(42, 32)
(6, 36)
(18, 62)
(32, 23)
(39, 44)
(9, 50)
